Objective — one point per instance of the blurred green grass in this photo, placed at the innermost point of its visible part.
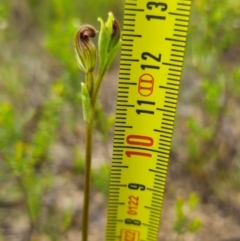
(40, 108)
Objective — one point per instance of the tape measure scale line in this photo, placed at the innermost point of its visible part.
(152, 54)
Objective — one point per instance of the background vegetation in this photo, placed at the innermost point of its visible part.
(42, 137)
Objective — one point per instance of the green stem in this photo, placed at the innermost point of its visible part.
(87, 180)
(88, 154)
(89, 82)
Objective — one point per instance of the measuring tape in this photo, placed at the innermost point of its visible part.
(153, 46)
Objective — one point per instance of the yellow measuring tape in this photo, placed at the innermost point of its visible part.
(154, 40)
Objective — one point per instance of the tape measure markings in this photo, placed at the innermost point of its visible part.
(140, 149)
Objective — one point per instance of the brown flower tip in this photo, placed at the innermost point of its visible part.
(116, 29)
(86, 32)
(85, 49)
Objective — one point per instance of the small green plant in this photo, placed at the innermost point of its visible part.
(86, 54)
(184, 222)
(27, 157)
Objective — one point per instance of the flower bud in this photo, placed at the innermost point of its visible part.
(109, 41)
(85, 50)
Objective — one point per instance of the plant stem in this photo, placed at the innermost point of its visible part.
(88, 152)
(89, 82)
(87, 180)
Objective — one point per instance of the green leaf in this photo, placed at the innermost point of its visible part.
(179, 225)
(179, 207)
(195, 225)
(193, 201)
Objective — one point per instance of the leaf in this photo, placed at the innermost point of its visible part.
(193, 201)
(195, 225)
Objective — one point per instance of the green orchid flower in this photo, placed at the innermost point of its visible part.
(109, 42)
(85, 50)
